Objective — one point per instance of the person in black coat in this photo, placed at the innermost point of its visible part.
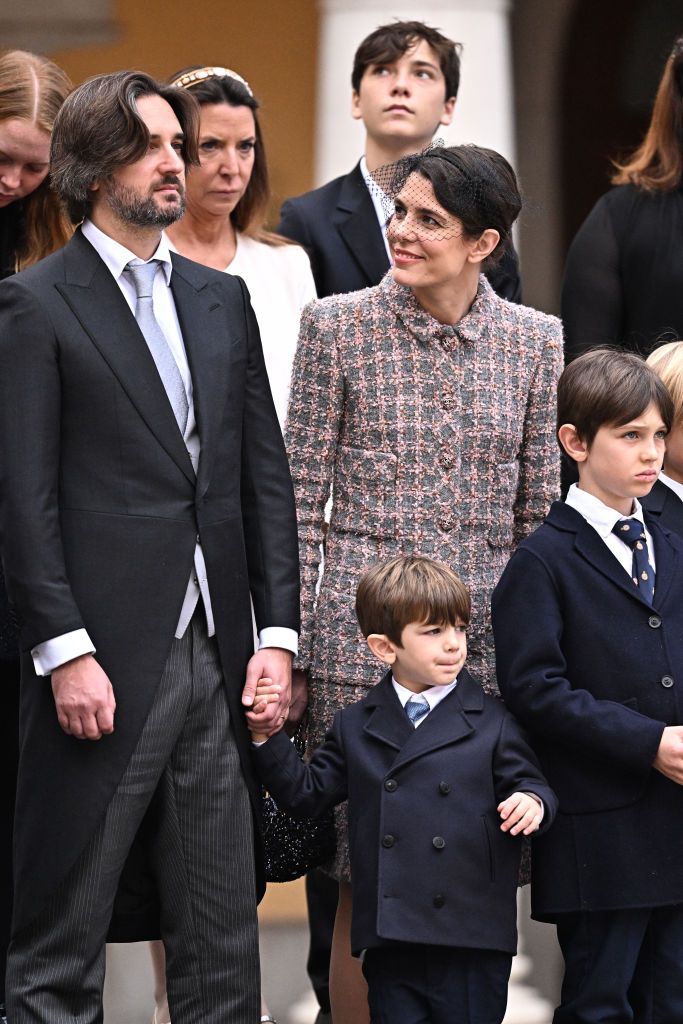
(624, 273)
(430, 766)
(405, 81)
(665, 500)
(589, 660)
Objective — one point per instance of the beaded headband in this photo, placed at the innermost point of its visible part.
(191, 78)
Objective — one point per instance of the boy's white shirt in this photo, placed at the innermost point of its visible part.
(603, 519)
(674, 485)
(433, 695)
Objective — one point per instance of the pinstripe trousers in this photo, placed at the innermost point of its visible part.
(185, 773)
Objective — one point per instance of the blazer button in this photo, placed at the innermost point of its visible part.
(444, 788)
(438, 842)
(654, 622)
(439, 901)
(391, 785)
(667, 681)
(388, 842)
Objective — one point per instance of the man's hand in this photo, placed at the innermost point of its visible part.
(299, 701)
(521, 812)
(84, 698)
(669, 759)
(275, 665)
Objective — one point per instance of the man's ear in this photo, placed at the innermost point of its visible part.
(569, 438)
(484, 245)
(382, 647)
(448, 108)
(355, 106)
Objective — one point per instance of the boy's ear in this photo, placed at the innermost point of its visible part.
(569, 438)
(382, 647)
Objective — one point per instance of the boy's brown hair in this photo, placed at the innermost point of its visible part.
(409, 588)
(667, 362)
(609, 387)
(389, 42)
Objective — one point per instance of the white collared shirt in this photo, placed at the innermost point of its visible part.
(382, 203)
(433, 695)
(673, 485)
(51, 653)
(603, 519)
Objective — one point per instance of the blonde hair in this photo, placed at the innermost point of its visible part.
(667, 362)
(33, 88)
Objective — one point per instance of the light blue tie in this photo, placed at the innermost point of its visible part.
(142, 275)
(416, 708)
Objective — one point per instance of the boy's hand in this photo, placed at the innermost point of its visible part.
(669, 759)
(521, 812)
(267, 692)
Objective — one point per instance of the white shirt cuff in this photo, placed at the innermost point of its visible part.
(279, 636)
(52, 653)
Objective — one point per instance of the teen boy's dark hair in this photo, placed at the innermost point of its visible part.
(407, 589)
(608, 387)
(389, 42)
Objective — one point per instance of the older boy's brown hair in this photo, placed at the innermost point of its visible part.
(609, 387)
(410, 588)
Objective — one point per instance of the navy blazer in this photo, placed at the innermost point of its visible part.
(665, 506)
(338, 227)
(428, 859)
(594, 672)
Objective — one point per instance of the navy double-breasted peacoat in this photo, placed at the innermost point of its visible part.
(596, 673)
(429, 862)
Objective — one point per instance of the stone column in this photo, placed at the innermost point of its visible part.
(484, 110)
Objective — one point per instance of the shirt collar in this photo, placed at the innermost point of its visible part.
(672, 484)
(433, 694)
(600, 516)
(116, 256)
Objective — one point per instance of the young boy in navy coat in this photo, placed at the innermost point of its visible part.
(430, 766)
(588, 624)
(665, 500)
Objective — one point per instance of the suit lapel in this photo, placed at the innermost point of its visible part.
(96, 301)
(387, 721)
(357, 223)
(447, 723)
(667, 558)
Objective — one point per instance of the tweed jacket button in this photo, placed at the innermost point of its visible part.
(439, 901)
(447, 522)
(444, 788)
(654, 622)
(438, 842)
(388, 842)
(448, 458)
(391, 785)
(667, 681)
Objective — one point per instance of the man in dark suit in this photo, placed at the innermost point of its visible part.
(145, 496)
(405, 81)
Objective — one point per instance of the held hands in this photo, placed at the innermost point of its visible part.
(84, 698)
(521, 812)
(267, 691)
(669, 759)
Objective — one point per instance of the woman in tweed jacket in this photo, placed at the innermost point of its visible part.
(427, 404)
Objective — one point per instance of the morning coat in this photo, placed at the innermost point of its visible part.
(595, 673)
(429, 862)
(100, 512)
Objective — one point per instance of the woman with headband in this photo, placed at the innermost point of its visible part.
(32, 225)
(426, 407)
(227, 204)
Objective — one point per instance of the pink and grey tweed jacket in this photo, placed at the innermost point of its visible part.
(435, 439)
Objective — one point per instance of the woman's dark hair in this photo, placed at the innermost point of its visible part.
(389, 42)
(33, 89)
(609, 387)
(249, 216)
(657, 164)
(99, 129)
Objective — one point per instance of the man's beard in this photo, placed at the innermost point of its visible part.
(144, 211)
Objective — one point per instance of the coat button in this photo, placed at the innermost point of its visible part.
(447, 522)
(654, 622)
(438, 901)
(444, 788)
(391, 785)
(388, 842)
(667, 681)
(438, 842)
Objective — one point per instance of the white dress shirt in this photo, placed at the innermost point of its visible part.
(433, 695)
(603, 519)
(384, 206)
(48, 655)
(673, 485)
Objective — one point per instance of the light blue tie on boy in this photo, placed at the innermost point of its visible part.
(142, 275)
(416, 708)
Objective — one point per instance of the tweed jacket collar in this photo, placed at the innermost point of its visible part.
(475, 326)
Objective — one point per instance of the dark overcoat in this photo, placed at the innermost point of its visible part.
(338, 227)
(595, 673)
(429, 862)
(101, 511)
(665, 507)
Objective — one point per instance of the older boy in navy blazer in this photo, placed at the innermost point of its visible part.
(430, 765)
(665, 500)
(588, 624)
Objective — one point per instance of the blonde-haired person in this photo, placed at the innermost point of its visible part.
(32, 225)
(665, 500)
